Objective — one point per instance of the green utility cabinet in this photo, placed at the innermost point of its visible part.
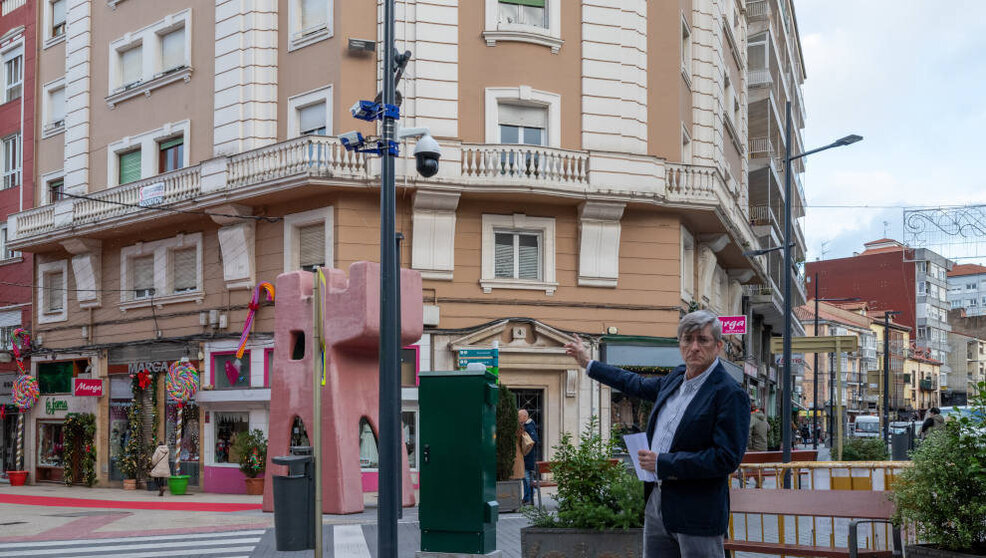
(458, 509)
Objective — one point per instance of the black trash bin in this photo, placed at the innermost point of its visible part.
(294, 501)
(900, 444)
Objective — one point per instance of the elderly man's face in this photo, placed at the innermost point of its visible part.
(699, 349)
(522, 416)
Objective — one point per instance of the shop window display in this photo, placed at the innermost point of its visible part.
(189, 439)
(227, 374)
(228, 427)
(51, 449)
(119, 434)
(368, 455)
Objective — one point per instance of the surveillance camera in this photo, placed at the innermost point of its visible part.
(351, 140)
(426, 153)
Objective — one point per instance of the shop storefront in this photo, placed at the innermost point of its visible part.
(234, 399)
(45, 439)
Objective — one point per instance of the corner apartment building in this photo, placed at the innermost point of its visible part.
(594, 178)
(17, 149)
(968, 363)
(891, 276)
(967, 289)
(922, 383)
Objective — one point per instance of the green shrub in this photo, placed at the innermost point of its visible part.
(251, 447)
(864, 449)
(593, 492)
(774, 433)
(506, 434)
(944, 493)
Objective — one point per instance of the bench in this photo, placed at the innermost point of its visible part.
(861, 507)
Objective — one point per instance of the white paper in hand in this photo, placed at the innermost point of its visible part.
(635, 443)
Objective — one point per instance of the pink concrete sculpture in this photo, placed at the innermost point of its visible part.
(351, 324)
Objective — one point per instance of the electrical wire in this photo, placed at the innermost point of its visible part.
(175, 210)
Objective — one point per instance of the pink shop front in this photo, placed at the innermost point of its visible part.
(234, 399)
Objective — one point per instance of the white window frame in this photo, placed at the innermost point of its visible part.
(10, 53)
(52, 127)
(9, 321)
(549, 36)
(16, 171)
(686, 145)
(295, 221)
(161, 251)
(302, 100)
(48, 21)
(687, 256)
(60, 266)
(297, 38)
(523, 95)
(148, 144)
(13, 255)
(519, 222)
(153, 75)
(47, 179)
(686, 51)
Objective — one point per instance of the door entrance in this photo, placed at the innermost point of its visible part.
(532, 400)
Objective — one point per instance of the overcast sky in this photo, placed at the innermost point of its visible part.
(909, 77)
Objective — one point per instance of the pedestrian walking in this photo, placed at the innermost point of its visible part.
(160, 469)
(698, 430)
(530, 458)
(759, 430)
(933, 420)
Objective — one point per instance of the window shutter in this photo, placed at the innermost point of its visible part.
(129, 166)
(143, 270)
(57, 106)
(173, 49)
(311, 245)
(312, 118)
(528, 117)
(172, 143)
(314, 14)
(184, 270)
(57, 13)
(529, 260)
(533, 3)
(53, 292)
(503, 259)
(131, 66)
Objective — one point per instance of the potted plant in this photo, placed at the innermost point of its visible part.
(944, 493)
(600, 503)
(251, 447)
(509, 491)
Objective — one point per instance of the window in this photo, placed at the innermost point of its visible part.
(311, 21)
(518, 253)
(12, 161)
(308, 239)
(311, 251)
(310, 113)
(173, 50)
(6, 253)
(409, 367)
(922, 267)
(687, 265)
(52, 292)
(228, 427)
(171, 154)
(129, 167)
(529, 21)
(9, 321)
(686, 50)
(686, 145)
(56, 189)
(922, 288)
(970, 286)
(58, 18)
(183, 270)
(54, 286)
(143, 280)
(13, 74)
(229, 372)
(131, 67)
(521, 115)
(523, 12)
(54, 108)
(520, 124)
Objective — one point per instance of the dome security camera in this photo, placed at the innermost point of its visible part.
(426, 154)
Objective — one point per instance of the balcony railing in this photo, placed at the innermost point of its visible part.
(761, 148)
(174, 187)
(763, 215)
(927, 385)
(320, 156)
(757, 9)
(530, 164)
(11, 5)
(759, 77)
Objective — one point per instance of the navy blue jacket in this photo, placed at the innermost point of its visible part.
(531, 457)
(706, 449)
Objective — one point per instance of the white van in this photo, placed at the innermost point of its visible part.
(866, 426)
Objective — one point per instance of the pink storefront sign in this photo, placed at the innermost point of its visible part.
(733, 325)
(87, 387)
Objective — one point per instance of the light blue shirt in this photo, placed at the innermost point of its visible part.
(669, 417)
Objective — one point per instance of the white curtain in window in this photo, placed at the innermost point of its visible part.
(56, 100)
(314, 14)
(143, 273)
(173, 49)
(528, 261)
(311, 245)
(185, 270)
(312, 118)
(503, 257)
(131, 66)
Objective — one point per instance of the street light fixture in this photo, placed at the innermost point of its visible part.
(762, 251)
(786, 389)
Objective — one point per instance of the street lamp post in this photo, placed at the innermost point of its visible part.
(886, 374)
(814, 383)
(786, 388)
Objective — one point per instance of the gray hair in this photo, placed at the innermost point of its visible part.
(697, 320)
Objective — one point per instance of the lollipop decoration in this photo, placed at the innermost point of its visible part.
(181, 385)
(254, 305)
(25, 394)
(20, 342)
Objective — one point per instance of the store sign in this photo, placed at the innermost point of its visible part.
(53, 406)
(87, 387)
(733, 325)
(152, 194)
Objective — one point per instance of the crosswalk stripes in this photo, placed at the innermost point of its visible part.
(227, 544)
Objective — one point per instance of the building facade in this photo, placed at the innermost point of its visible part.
(586, 185)
(18, 29)
(968, 364)
(967, 289)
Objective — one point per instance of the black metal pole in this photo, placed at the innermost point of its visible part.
(886, 376)
(831, 401)
(396, 402)
(786, 375)
(814, 387)
(390, 464)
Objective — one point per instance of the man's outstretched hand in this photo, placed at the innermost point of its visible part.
(578, 351)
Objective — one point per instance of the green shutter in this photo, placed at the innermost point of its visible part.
(171, 143)
(534, 3)
(129, 167)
